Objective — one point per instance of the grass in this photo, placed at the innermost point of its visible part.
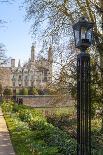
(58, 111)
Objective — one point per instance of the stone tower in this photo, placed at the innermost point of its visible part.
(32, 53)
(19, 64)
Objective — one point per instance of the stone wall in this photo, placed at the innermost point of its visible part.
(46, 100)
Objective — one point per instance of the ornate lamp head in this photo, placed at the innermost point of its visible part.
(83, 33)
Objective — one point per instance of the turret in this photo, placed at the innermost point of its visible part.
(19, 64)
(32, 53)
(12, 63)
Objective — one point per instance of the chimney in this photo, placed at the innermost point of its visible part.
(12, 63)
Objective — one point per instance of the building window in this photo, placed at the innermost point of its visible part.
(13, 84)
(32, 77)
(26, 84)
(26, 78)
(19, 77)
(13, 78)
(32, 84)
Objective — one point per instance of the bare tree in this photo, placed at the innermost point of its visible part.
(53, 19)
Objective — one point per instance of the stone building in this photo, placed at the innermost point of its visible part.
(5, 77)
(35, 73)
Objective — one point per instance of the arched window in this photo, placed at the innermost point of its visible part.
(20, 77)
(26, 78)
(26, 83)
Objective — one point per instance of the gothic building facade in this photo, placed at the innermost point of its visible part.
(35, 73)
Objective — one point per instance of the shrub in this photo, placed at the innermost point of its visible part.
(25, 115)
(7, 106)
(7, 91)
(23, 91)
(32, 91)
(52, 136)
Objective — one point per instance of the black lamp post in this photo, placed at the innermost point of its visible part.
(83, 34)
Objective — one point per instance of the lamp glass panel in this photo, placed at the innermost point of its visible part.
(83, 32)
(89, 35)
(76, 36)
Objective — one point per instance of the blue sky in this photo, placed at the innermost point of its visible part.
(15, 34)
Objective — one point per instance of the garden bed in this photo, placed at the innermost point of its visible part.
(32, 134)
(41, 132)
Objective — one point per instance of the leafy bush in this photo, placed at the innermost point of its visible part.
(53, 137)
(23, 91)
(7, 91)
(19, 133)
(25, 115)
(32, 91)
(7, 106)
(40, 92)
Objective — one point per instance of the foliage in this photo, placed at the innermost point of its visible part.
(32, 133)
(38, 136)
(23, 91)
(25, 115)
(64, 122)
(7, 91)
(19, 133)
(60, 16)
(47, 91)
(7, 106)
(97, 142)
(40, 91)
(32, 91)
